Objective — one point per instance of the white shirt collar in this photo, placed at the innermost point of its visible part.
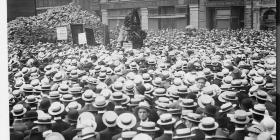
(167, 132)
(239, 129)
(194, 128)
(57, 118)
(208, 137)
(46, 133)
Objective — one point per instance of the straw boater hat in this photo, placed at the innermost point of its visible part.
(119, 96)
(209, 90)
(208, 124)
(227, 107)
(258, 80)
(240, 117)
(54, 95)
(117, 86)
(182, 91)
(67, 98)
(73, 105)
(27, 88)
(157, 82)
(134, 102)
(193, 117)
(58, 77)
(147, 127)
(146, 78)
(159, 92)
(142, 136)
(73, 75)
(18, 110)
(88, 132)
(259, 109)
(183, 133)
(149, 88)
(126, 121)
(109, 118)
(100, 102)
(261, 95)
(204, 100)
(44, 118)
(18, 84)
(88, 95)
(63, 89)
(75, 90)
(188, 103)
(127, 135)
(228, 96)
(31, 99)
(56, 108)
(102, 76)
(166, 119)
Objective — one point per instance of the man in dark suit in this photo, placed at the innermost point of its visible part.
(100, 104)
(192, 120)
(166, 122)
(109, 118)
(72, 117)
(240, 119)
(15, 135)
(56, 109)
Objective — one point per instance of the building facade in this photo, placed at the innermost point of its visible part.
(163, 14)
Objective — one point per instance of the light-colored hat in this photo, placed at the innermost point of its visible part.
(56, 108)
(128, 135)
(44, 118)
(58, 77)
(227, 96)
(227, 107)
(67, 98)
(259, 109)
(166, 119)
(100, 102)
(54, 95)
(31, 99)
(109, 118)
(262, 95)
(54, 136)
(147, 127)
(208, 124)
(88, 95)
(73, 105)
(88, 132)
(126, 121)
(240, 117)
(193, 117)
(183, 133)
(119, 96)
(188, 103)
(204, 100)
(159, 92)
(142, 136)
(258, 80)
(18, 110)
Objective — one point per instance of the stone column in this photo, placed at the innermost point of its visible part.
(257, 19)
(144, 18)
(194, 11)
(104, 13)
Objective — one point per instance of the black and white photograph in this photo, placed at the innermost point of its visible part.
(140, 69)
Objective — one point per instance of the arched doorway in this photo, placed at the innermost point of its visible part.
(269, 20)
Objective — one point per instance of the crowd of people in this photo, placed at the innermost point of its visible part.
(183, 85)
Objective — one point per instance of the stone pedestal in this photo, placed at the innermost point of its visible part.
(194, 11)
(104, 13)
(144, 18)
